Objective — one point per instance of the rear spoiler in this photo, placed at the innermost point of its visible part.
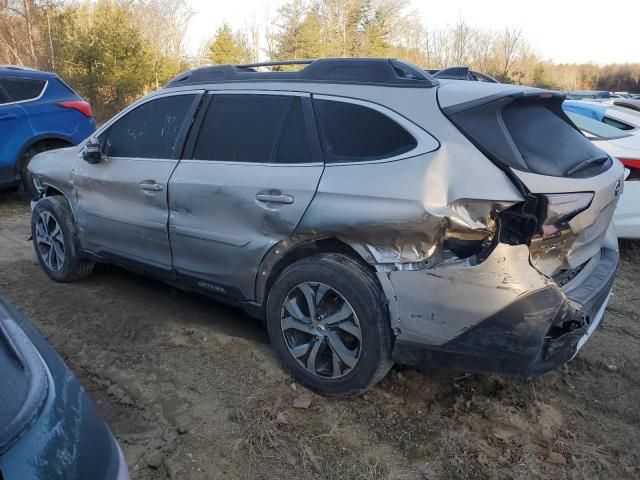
(557, 97)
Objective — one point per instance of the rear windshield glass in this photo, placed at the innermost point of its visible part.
(546, 142)
(596, 128)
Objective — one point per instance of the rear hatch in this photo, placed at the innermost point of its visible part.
(571, 186)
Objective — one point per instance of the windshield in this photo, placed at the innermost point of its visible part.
(596, 128)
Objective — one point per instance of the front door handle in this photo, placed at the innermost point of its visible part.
(274, 197)
(151, 186)
(8, 116)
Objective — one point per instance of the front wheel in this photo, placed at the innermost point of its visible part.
(328, 322)
(54, 239)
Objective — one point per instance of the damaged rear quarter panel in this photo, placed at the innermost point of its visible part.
(435, 305)
(400, 212)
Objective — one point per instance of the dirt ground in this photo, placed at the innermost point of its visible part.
(192, 390)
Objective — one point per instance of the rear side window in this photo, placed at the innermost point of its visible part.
(20, 89)
(150, 131)
(254, 129)
(354, 133)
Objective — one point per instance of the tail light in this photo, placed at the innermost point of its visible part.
(633, 164)
(79, 105)
(561, 208)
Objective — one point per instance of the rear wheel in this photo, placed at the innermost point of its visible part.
(327, 320)
(54, 239)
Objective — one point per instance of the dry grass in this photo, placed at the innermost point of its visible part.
(273, 434)
(458, 458)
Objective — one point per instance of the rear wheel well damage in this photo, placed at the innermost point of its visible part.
(291, 250)
(50, 191)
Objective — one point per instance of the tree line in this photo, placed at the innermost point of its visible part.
(114, 51)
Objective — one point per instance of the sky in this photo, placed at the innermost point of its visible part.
(564, 31)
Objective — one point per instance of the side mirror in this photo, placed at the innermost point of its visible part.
(92, 152)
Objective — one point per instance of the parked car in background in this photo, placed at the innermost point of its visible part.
(617, 116)
(588, 94)
(630, 103)
(38, 112)
(49, 428)
(461, 73)
(624, 146)
(452, 223)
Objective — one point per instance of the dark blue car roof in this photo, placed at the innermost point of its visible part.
(8, 71)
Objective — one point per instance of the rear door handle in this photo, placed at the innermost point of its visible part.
(8, 116)
(274, 198)
(151, 186)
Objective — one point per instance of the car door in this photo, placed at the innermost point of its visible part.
(252, 169)
(122, 206)
(15, 130)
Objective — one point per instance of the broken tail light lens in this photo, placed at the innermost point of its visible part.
(561, 208)
(633, 165)
(79, 105)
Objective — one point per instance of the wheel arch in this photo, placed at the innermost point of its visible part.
(288, 251)
(64, 140)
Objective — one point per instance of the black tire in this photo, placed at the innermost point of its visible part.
(72, 267)
(358, 286)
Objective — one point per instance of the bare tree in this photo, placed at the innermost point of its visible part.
(507, 46)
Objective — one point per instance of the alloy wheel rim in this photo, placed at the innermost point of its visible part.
(50, 241)
(321, 330)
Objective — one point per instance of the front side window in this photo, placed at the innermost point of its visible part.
(354, 133)
(152, 130)
(254, 128)
(19, 89)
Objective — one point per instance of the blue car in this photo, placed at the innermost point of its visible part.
(38, 112)
(49, 428)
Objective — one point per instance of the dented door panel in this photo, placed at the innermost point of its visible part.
(219, 229)
(116, 216)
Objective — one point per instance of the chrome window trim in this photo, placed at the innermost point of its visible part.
(276, 93)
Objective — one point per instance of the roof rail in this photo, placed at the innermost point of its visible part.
(276, 63)
(362, 71)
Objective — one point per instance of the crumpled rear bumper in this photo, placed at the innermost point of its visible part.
(535, 333)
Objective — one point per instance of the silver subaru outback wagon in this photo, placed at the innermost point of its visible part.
(366, 211)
